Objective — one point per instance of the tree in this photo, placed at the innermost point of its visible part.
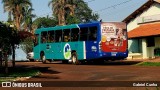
(59, 9)
(27, 45)
(72, 11)
(28, 18)
(83, 13)
(8, 38)
(16, 7)
(44, 22)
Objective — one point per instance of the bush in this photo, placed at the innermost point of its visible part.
(27, 45)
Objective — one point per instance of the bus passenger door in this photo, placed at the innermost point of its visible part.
(44, 44)
(92, 43)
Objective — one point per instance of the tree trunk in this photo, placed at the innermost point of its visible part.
(0, 58)
(62, 17)
(0, 62)
(17, 23)
(13, 55)
(17, 15)
(6, 63)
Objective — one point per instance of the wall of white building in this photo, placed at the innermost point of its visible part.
(153, 10)
(139, 45)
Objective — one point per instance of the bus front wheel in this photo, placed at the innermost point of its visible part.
(74, 58)
(43, 58)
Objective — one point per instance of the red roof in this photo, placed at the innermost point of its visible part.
(145, 31)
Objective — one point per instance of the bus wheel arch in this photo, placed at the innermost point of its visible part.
(42, 57)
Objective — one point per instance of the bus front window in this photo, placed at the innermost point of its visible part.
(36, 40)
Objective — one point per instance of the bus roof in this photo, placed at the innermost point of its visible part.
(56, 28)
(88, 24)
(66, 27)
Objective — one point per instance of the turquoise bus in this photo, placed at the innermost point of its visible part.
(81, 42)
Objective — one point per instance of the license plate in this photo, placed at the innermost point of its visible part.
(113, 53)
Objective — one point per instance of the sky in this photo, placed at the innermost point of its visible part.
(108, 10)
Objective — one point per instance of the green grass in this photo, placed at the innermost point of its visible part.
(18, 72)
(149, 64)
(21, 73)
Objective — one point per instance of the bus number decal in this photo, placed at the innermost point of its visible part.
(67, 51)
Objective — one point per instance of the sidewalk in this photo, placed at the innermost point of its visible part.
(146, 60)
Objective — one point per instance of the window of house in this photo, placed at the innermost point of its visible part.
(150, 42)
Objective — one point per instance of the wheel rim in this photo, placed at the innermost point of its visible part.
(43, 58)
(74, 59)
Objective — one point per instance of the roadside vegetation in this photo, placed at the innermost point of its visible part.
(18, 72)
(20, 19)
(149, 64)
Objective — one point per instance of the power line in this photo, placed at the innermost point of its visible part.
(113, 6)
(123, 9)
(90, 1)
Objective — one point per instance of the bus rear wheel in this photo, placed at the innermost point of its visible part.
(74, 58)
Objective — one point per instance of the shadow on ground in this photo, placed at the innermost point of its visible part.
(108, 63)
(115, 63)
(20, 70)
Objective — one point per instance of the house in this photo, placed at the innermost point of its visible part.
(144, 31)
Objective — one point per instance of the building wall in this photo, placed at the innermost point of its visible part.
(133, 45)
(153, 10)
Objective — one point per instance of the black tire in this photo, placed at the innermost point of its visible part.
(31, 60)
(74, 58)
(98, 62)
(65, 61)
(43, 58)
(49, 60)
(82, 62)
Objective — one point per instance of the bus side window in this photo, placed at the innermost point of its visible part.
(84, 34)
(66, 35)
(51, 37)
(74, 34)
(44, 37)
(58, 35)
(93, 33)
